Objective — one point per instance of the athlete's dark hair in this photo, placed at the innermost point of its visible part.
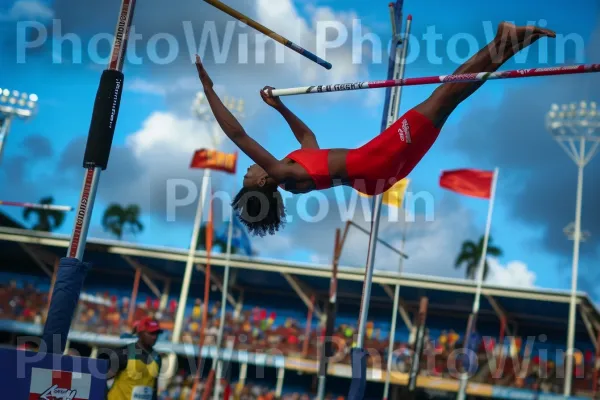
(261, 210)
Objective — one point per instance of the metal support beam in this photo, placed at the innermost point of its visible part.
(588, 326)
(240, 305)
(218, 284)
(301, 292)
(401, 310)
(32, 253)
(500, 313)
(383, 242)
(164, 298)
(144, 271)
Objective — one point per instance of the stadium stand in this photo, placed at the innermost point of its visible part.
(266, 321)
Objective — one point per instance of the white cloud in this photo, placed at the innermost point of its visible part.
(282, 17)
(432, 246)
(140, 85)
(28, 10)
(164, 136)
(513, 274)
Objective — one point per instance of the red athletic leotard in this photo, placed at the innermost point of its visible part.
(376, 166)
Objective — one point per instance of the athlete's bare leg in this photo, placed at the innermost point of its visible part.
(509, 40)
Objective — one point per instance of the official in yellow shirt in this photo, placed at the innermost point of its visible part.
(136, 377)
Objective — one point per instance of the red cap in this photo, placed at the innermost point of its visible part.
(148, 325)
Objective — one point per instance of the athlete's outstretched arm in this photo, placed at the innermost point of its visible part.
(234, 130)
(304, 135)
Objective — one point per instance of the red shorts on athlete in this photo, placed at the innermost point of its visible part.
(392, 155)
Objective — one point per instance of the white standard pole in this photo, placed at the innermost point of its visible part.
(218, 363)
(366, 297)
(462, 392)
(573, 301)
(189, 266)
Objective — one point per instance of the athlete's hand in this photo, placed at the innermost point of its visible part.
(204, 78)
(267, 97)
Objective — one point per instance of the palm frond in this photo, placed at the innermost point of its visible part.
(462, 258)
(494, 251)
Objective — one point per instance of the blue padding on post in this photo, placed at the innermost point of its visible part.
(30, 375)
(359, 374)
(68, 285)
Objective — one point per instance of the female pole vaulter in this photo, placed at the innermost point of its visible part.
(370, 169)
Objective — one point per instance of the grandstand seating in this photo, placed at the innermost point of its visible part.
(279, 331)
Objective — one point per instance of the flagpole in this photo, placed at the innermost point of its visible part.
(189, 266)
(476, 302)
(217, 362)
(486, 238)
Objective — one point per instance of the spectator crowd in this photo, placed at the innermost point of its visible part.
(261, 331)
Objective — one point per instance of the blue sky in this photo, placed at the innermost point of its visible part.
(43, 156)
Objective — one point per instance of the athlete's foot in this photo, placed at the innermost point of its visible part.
(522, 36)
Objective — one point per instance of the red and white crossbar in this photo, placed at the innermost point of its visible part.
(51, 207)
(429, 80)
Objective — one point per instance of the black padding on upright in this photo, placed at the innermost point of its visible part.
(104, 120)
(329, 330)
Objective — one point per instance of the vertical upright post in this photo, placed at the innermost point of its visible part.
(462, 392)
(72, 271)
(392, 103)
(102, 128)
(189, 266)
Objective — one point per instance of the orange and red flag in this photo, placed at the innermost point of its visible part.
(215, 160)
(468, 182)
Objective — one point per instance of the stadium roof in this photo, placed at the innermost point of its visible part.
(260, 278)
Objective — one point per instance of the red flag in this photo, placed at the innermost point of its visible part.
(215, 160)
(469, 182)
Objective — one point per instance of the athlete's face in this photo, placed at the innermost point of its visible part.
(148, 339)
(255, 177)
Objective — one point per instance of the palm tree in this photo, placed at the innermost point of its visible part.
(117, 218)
(470, 254)
(47, 220)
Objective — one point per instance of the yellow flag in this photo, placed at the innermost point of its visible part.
(394, 196)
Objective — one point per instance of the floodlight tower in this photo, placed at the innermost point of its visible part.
(14, 104)
(201, 109)
(575, 128)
